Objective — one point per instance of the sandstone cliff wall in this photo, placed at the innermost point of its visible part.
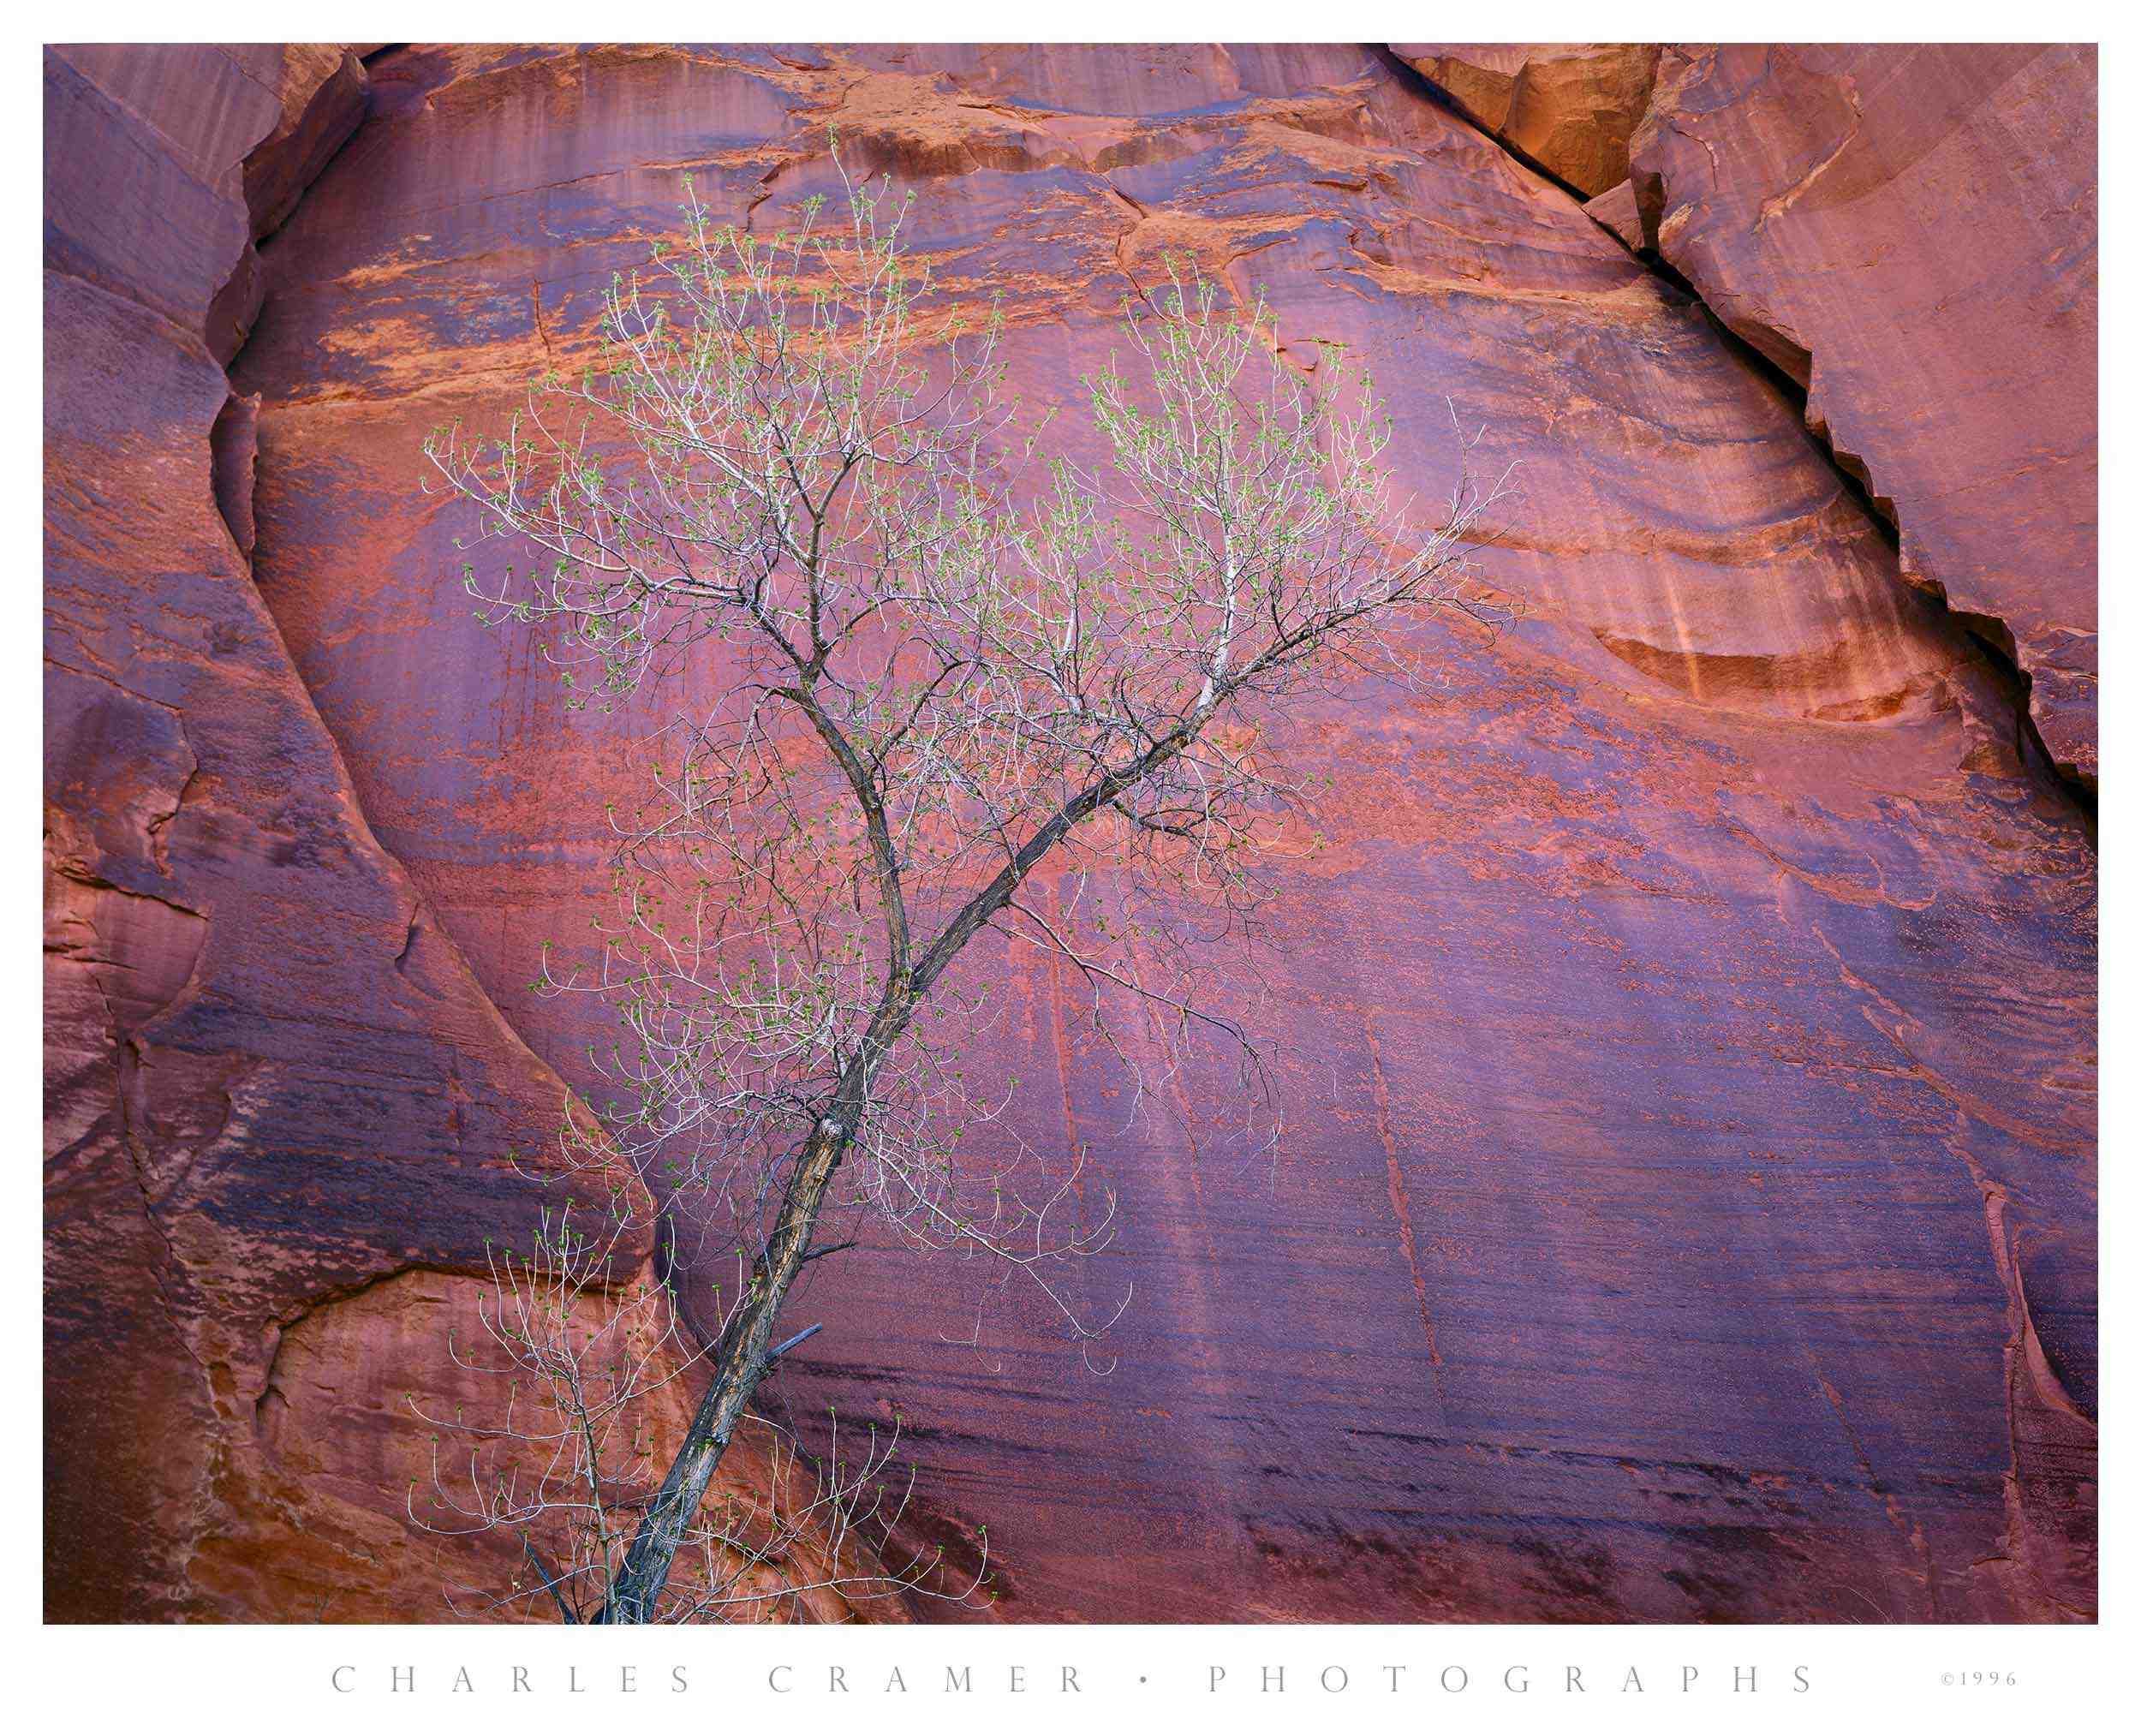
(1688, 1211)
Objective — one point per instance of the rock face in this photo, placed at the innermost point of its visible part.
(1911, 232)
(1687, 1207)
(279, 1107)
(1615, 212)
(161, 169)
(1566, 107)
(324, 93)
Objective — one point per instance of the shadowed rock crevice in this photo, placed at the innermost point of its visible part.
(1947, 344)
(1787, 366)
(1991, 635)
(234, 445)
(1566, 109)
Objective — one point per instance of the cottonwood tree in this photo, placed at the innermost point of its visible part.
(949, 656)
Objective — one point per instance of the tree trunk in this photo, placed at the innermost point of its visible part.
(739, 1364)
(740, 1358)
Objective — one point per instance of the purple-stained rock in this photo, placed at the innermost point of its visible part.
(1688, 1206)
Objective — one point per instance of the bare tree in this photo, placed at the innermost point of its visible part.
(951, 659)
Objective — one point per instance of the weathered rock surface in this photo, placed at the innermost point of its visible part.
(1688, 1210)
(1615, 212)
(324, 93)
(279, 1107)
(1911, 232)
(162, 167)
(1566, 107)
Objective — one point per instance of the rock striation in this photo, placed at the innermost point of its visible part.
(1687, 1208)
(1910, 233)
